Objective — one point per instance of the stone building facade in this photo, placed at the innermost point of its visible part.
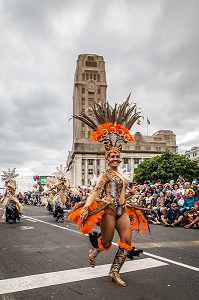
(87, 158)
(193, 154)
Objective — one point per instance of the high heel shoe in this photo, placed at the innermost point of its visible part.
(115, 276)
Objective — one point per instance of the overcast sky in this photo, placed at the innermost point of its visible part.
(150, 48)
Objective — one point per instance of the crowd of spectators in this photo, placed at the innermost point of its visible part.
(41, 198)
(169, 204)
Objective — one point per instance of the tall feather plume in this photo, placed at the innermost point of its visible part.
(8, 175)
(124, 114)
(86, 119)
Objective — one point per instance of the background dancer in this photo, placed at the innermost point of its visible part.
(12, 206)
(59, 187)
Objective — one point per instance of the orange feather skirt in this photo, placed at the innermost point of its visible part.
(138, 221)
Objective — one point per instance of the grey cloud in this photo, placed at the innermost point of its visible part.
(150, 49)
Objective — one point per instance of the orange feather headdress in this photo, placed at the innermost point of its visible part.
(111, 125)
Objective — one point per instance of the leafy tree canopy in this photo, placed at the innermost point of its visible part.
(167, 167)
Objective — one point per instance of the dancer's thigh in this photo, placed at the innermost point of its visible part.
(107, 225)
(123, 227)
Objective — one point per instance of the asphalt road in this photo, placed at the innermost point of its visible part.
(42, 260)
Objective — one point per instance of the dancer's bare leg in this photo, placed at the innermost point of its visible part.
(107, 225)
(123, 227)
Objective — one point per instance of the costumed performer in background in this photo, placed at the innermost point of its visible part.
(60, 197)
(112, 211)
(51, 191)
(59, 187)
(10, 192)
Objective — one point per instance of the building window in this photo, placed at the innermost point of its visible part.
(90, 58)
(83, 124)
(90, 112)
(158, 148)
(82, 171)
(90, 171)
(83, 76)
(136, 161)
(90, 101)
(83, 101)
(87, 76)
(98, 91)
(98, 77)
(90, 162)
(82, 181)
(83, 90)
(167, 137)
(83, 161)
(148, 148)
(83, 111)
(94, 76)
(126, 161)
(137, 148)
(98, 171)
(98, 162)
(83, 134)
(91, 75)
(91, 64)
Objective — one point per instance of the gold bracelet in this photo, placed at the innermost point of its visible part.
(85, 208)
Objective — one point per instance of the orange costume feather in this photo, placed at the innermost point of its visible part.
(104, 129)
(91, 220)
(138, 221)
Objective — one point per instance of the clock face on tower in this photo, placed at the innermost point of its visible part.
(91, 85)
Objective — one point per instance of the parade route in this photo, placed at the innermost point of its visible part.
(42, 259)
(54, 278)
(146, 253)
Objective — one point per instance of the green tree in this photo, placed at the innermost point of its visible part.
(166, 167)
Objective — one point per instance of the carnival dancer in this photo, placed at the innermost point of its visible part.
(60, 201)
(50, 205)
(59, 186)
(10, 196)
(51, 191)
(113, 211)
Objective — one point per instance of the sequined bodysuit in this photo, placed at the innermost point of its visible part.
(113, 185)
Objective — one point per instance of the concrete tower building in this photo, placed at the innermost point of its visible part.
(86, 158)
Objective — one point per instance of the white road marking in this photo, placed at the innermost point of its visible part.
(28, 219)
(146, 253)
(26, 227)
(31, 220)
(55, 225)
(172, 261)
(13, 285)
